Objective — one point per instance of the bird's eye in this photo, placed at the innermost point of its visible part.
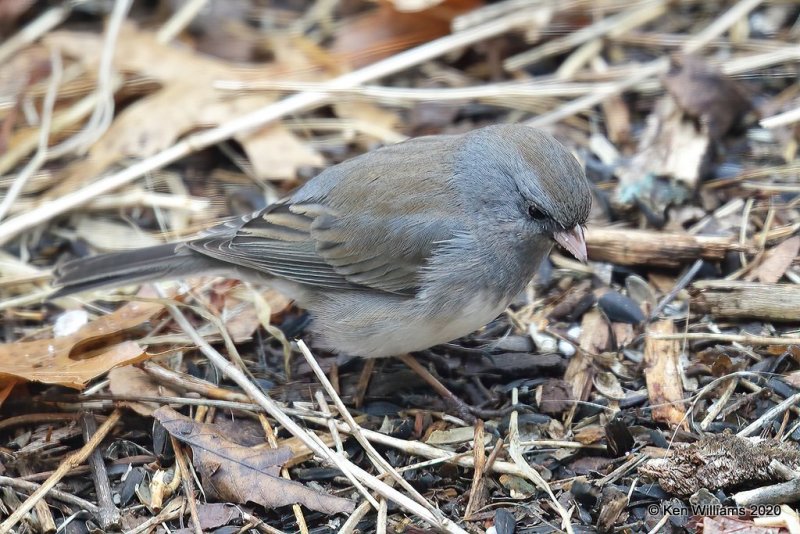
(536, 214)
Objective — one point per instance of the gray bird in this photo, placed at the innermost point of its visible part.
(396, 250)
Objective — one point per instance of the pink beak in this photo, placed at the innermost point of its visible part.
(573, 241)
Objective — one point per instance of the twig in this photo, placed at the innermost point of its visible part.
(658, 526)
(103, 112)
(743, 229)
(769, 415)
(650, 69)
(28, 486)
(179, 20)
(182, 471)
(36, 28)
(781, 119)
(308, 439)
(784, 492)
(357, 433)
(721, 25)
(446, 394)
(677, 288)
(477, 492)
(500, 92)
(715, 409)
(349, 526)
(498, 9)
(300, 518)
(258, 524)
(172, 511)
(319, 396)
(733, 338)
(617, 24)
(788, 518)
(414, 448)
(72, 461)
(109, 514)
(40, 157)
(515, 451)
(363, 382)
(383, 510)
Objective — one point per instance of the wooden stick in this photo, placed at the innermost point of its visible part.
(109, 515)
(747, 300)
(731, 338)
(655, 249)
(661, 372)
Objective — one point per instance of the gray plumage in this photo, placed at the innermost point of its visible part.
(396, 250)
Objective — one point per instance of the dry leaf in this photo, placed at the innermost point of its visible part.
(5, 391)
(776, 261)
(215, 515)
(240, 308)
(186, 101)
(73, 360)
(130, 380)
(554, 397)
(234, 473)
(380, 122)
(276, 153)
(107, 235)
(452, 436)
(386, 30)
(705, 93)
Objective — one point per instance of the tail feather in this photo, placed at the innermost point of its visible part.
(130, 267)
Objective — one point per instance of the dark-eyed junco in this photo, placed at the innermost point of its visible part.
(394, 251)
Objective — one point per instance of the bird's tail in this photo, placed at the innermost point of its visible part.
(130, 267)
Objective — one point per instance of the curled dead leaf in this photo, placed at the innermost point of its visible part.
(73, 360)
(231, 472)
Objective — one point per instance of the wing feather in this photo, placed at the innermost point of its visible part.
(323, 237)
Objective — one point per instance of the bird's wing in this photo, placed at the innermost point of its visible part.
(312, 245)
(326, 237)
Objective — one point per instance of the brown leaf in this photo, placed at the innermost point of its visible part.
(215, 515)
(384, 31)
(776, 261)
(187, 99)
(276, 153)
(5, 391)
(231, 472)
(705, 93)
(554, 397)
(129, 380)
(590, 434)
(73, 360)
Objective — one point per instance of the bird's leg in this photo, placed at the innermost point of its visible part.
(363, 382)
(463, 409)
